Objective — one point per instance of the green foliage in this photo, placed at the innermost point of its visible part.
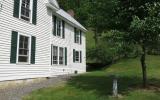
(80, 8)
(101, 54)
(111, 47)
(146, 31)
(126, 9)
(119, 25)
(97, 14)
(101, 14)
(117, 42)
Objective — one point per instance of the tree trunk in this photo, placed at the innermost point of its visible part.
(143, 63)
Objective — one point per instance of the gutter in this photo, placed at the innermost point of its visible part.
(52, 7)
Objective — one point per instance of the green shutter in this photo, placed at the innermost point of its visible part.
(13, 52)
(65, 56)
(16, 8)
(33, 50)
(75, 35)
(80, 56)
(63, 31)
(34, 14)
(55, 21)
(74, 55)
(80, 37)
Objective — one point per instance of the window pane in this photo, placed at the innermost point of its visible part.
(21, 38)
(25, 10)
(23, 59)
(77, 56)
(21, 45)
(77, 36)
(23, 49)
(61, 56)
(58, 27)
(21, 52)
(25, 52)
(26, 39)
(26, 45)
(55, 55)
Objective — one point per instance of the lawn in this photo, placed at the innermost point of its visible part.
(97, 85)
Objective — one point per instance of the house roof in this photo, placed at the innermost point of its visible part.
(69, 18)
(53, 4)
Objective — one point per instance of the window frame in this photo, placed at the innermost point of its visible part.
(79, 56)
(58, 56)
(59, 29)
(29, 48)
(31, 11)
(77, 37)
(78, 61)
(61, 48)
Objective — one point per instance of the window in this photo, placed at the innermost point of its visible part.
(25, 10)
(61, 56)
(59, 25)
(55, 55)
(23, 49)
(77, 56)
(77, 36)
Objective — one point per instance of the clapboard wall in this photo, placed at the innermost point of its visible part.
(44, 38)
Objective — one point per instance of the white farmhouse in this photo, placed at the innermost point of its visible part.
(39, 39)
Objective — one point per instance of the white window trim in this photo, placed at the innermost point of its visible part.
(61, 28)
(79, 56)
(17, 58)
(57, 18)
(31, 7)
(63, 56)
(58, 56)
(53, 53)
(78, 42)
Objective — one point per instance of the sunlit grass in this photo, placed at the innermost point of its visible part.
(97, 85)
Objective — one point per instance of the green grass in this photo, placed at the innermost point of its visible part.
(90, 42)
(97, 85)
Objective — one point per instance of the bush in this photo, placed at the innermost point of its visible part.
(111, 48)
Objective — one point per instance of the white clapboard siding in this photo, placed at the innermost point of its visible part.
(44, 38)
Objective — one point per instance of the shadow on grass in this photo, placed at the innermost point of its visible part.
(95, 66)
(102, 85)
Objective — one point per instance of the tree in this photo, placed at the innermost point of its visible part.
(94, 14)
(80, 8)
(145, 32)
(125, 11)
(100, 15)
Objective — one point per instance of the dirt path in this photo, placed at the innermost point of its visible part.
(17, 92)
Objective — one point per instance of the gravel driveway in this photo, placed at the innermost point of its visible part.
(17, 92)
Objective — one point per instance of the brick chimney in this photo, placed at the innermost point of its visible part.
(71, 12)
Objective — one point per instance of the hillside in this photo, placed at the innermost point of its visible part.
(98, 85)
